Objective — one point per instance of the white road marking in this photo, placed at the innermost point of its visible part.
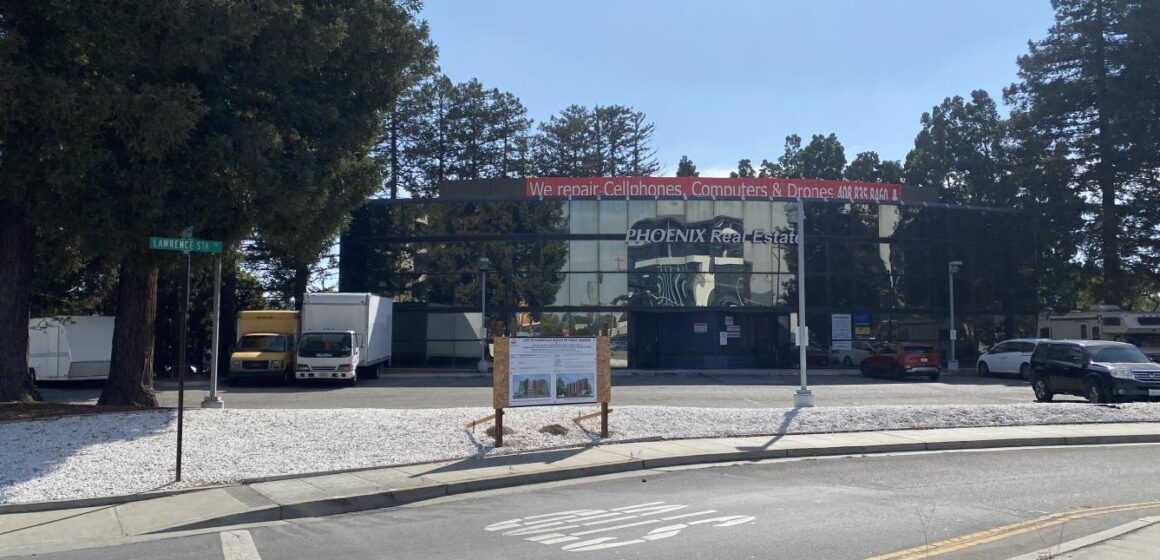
(598, 544)
(238, 545)
(682, 516)
(551, 528)
(617, 527)
(656, 510)
(535, 530)
(613, 520)
(636, 506)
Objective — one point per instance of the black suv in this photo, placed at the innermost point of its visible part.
(1100, 370)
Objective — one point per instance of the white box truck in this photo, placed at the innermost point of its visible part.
(70, 348)
(344, 336)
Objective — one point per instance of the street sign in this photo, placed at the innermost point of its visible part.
(191, 245)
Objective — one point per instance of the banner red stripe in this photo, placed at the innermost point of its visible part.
(707, 188)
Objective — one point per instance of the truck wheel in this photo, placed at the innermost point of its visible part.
(372, 372)
(353, 381)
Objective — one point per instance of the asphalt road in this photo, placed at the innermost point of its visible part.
(836, 508)
(735, 391)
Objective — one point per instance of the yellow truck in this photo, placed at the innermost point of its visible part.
(265, 348)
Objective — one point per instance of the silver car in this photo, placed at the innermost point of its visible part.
(1011, 357)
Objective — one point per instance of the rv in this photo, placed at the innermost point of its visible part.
(70, 348)
(1106, 322)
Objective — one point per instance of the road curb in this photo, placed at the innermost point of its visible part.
(1089, 540)
(103, 501)
(624, 460)
(342, 504)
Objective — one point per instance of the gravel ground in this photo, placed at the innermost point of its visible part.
(126, 453)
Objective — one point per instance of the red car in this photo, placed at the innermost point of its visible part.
(901, 359)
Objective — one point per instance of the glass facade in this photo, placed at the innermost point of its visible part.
(690, 284)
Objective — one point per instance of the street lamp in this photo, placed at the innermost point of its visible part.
(483, 266)
(952, 268)
(796, 213)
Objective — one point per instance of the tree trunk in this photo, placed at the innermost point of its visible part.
(394, 132)
(1113, 281)
(301, 280)
(131, 371)
(16, 256)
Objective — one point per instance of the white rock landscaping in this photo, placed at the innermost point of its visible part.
(117, 454)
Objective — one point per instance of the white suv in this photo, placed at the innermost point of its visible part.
(1010, 356)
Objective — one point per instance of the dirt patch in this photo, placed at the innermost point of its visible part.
(28, 411)
(554, 429)
(506, 431)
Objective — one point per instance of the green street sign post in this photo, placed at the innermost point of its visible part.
(187, 245)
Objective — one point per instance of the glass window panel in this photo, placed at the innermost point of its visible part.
(731, 209)
(563, 291)
(613, 216)
(540, 289)
(583, 216)
(698, 211)
(613, 256)
(671, 208)
(582, 256)
(583, 324)
(762, 289)
(641, 210)
(584, 288)
(613, 288)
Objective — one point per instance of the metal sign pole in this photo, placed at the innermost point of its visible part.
(213, 400)
(181, 363)
(803, 397)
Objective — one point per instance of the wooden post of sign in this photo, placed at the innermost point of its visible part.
(501, 378)
(603, 380)
(499, 427)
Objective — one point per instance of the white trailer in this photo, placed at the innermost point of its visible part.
(1106, 322)
(70, 348)
(344, 335)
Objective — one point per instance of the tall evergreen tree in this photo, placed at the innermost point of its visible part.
(1075, 88)
(686, 168)
(612, 140)
(744, 170)
(223, 116)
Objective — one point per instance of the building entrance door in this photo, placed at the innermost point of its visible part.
(708, 339)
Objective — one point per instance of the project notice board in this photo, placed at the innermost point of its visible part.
(551, 370)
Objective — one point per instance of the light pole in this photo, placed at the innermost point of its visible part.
(952, 268)
(483, 266)
(796, 213)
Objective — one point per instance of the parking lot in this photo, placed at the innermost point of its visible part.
(728, 390)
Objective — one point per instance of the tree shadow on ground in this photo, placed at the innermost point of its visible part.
(36, 448)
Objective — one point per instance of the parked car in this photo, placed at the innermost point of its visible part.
(901, 359)
(1100, 370)
(850, 357)
(1009, 357)
(815, 356)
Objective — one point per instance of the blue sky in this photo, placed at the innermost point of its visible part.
(724, 80)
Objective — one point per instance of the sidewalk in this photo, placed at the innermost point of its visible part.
(40, 528)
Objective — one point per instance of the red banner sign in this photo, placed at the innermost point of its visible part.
(708, 188)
